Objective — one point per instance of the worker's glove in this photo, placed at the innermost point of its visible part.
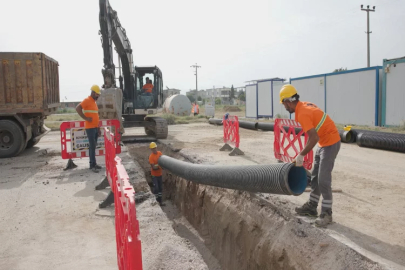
(156, 167)
(299, 160)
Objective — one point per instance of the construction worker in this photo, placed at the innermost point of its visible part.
(156, 172)
(195, 109)
(88, 110)
(148, 87)
(322, 130)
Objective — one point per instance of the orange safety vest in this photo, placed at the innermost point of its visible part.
(148, 88)
(195, 109)
(90, 109)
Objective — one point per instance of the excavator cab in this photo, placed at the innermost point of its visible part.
(145, 100)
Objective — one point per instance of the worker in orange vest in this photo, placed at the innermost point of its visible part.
(88, 110)
(195, 109)
(148, 87)
(321, 130)
(156, 172)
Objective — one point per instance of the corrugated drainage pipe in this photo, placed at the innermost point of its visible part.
(346, 136)
(356, 132)
(265, 126)
(248, 125)
(215, 121)
(282, 178)
(392, 143)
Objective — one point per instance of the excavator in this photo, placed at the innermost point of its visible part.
(128, 102)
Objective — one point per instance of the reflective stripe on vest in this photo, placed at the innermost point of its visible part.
(321, 122)
(89, 111)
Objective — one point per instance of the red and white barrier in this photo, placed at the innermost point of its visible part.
(286, 137)
(231, 135)
(129, 252)
(73, 134)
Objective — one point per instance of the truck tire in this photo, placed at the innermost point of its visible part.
(12, 139)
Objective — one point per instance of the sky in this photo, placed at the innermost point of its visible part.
(233, 41)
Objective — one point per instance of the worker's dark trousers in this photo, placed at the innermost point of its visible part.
(321, 180)
(157, 187)
(92, 135)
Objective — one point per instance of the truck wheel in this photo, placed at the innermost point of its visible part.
(11, 139)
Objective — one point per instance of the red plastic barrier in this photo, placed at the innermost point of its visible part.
(110, 165)
(129, 251)
(231, 130)
(281, 137)
(79, 125)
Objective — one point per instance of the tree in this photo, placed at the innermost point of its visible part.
(339, 70)
(232, 93)
(199, 98)
(191, 98)
(218, 101)
(242, 96)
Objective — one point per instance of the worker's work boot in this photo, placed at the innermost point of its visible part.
(324, 219)
(308, 209)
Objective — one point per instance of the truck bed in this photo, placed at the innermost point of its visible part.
(29, 83)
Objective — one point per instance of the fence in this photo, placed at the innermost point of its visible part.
(231, 135)
(74, 133)
(285, 147)
(129, 252)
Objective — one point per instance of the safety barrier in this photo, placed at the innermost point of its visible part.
(231, 135)
(283, 130)
(129, 252)
(74, 133)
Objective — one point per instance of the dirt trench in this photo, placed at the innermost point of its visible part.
(245, 230)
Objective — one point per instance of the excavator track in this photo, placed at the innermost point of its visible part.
(159, 130)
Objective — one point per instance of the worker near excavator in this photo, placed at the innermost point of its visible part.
(195, 109)
(322, 130)
(88, 110)
(156, 172)
(148, 87)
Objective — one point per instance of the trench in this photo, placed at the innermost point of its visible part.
(242, 230)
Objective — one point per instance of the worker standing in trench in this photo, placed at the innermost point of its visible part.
(322, 130)
(156, 172)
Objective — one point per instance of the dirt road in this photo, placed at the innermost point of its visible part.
(50, 217)
(367, 213)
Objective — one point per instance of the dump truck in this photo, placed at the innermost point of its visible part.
(29, 92)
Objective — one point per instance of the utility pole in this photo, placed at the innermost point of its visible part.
(368, 31)
(196, 77)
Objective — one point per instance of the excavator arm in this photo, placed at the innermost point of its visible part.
(111, 31)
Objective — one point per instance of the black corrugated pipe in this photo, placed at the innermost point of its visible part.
(282, 178)
(265, 126)
(215, 121)
(371, 140)
(356, 132)
(346, 136)
(248, 125)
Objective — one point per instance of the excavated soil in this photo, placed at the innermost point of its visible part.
(249, 231)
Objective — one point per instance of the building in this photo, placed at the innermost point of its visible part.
(170, 92)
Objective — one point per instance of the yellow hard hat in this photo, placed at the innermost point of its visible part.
(152, 145)
(95, 88)
(287, 91)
